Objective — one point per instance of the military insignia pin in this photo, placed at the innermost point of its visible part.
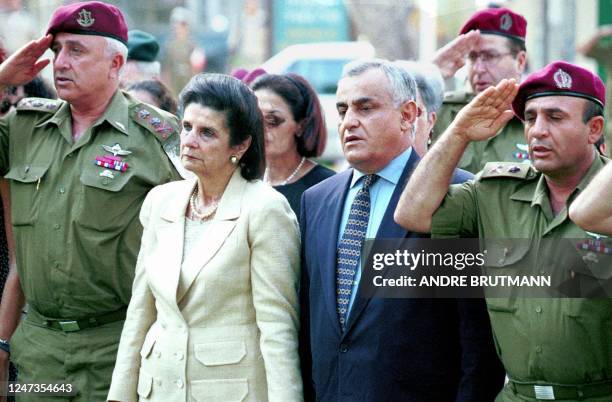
(107, 173)
(143, 114)
(85, 19)
(562, 79)
(514, 169)
(505, 22)
(116, 150)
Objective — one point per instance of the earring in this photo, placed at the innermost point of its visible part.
(234, 159)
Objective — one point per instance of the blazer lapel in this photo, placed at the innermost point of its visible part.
(388, 229)
(219, 229)
(171, 232)
(331, 213)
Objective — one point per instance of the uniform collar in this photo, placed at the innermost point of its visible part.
(392, 172)
(536, 192)
(116, 114)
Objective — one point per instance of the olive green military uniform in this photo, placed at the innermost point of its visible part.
(602, 53)
(77, 231)
(508, 145)
(562, 345)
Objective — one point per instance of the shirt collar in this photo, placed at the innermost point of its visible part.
(392, 172)
(538, 194)
(116, 114)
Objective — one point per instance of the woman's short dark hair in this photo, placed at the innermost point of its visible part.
(160, 92)
(242, 115)
(305, 107)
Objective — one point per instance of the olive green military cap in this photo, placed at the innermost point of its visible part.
(142, 46)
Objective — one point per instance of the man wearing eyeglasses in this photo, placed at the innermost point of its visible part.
(492, 44)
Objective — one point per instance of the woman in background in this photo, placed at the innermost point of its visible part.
(154, 93)
(295, 131)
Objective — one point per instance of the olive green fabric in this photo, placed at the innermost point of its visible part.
(545, 341)
(508, 145)
(76, 225)
(83, 359)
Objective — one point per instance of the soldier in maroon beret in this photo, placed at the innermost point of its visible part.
(492, 43)
(79, 169)
(551, 347)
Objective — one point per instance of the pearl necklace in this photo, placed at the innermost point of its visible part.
(195, 210)
(290, 177)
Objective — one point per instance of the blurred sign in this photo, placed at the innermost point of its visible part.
(298, 21)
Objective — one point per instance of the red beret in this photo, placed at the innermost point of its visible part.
(559, 78)
(90, 18)
(498, 21)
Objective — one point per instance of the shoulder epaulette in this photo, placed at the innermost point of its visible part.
(162, 125)
(507, 169)
(460, 96)
(39, 104)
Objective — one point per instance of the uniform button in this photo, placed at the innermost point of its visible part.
(542, 272)
(179, 355)
(56, 226)
(62, 190)
(179, 383)
(343, 348)
(57, 264)
(69, 155)
(538, 349)
(105, 181)
(538, 309)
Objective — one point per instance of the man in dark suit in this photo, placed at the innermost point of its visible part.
(359, 349)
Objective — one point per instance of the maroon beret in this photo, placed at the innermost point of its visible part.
(559, 78)
(247, 77)
(498, 21)
(90, 18)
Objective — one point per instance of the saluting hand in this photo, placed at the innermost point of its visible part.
(23, 65)
(451, 57)
(487, 113)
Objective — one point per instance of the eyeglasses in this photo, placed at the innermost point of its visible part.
(489, 58)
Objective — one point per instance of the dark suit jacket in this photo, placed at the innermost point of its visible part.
(393, 349)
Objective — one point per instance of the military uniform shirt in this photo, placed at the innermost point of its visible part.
(75, 223)
(507, 146)
(553, 340)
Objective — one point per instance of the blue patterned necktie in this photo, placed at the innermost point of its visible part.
(349, 249)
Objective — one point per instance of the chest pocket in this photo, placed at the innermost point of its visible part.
(108, 201)
(25, 197)
(505, 257)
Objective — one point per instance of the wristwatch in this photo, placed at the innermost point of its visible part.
(4, 345)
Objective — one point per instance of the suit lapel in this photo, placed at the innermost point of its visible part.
(388, 229)
(217, 232)
(328, 228)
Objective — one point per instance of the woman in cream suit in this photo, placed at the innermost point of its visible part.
(213, 315)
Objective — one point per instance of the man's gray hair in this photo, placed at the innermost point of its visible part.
(429, 82)
(402, 83)
(113, 46)
(148, 69)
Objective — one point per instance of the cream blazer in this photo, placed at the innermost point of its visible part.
(232, 334)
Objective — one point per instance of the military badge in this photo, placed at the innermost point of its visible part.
(85, 19)
(143, 114)
(107, 173)
(111, 162)
(562, 79)
(116, 150)
(505, 22)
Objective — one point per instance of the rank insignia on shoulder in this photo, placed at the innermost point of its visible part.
(151, 119)
(458, 97)
(39, 104)
(505, 169)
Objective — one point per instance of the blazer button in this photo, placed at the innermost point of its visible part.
(179, 355)
(157, 354)
(344, 348)
(158, 381)
(179, 383)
